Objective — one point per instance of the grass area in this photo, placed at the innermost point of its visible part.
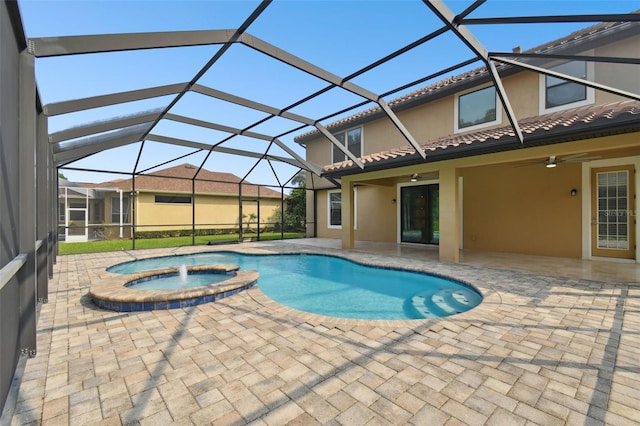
(117, 245)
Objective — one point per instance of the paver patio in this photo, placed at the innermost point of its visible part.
(539, 350)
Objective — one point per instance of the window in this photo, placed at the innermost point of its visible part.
(477, 109)
(173, 199)
(334, 213)
(352, 139)
(115, 209)
(558, 94)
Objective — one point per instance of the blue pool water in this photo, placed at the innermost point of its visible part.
(336, 287)
(174, 281)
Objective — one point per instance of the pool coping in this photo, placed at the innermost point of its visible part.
(112, 292)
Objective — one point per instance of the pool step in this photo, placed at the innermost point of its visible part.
(445, 302)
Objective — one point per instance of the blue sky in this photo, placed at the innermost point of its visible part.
(340, 36)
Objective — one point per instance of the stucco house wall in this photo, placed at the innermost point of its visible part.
(506, 201)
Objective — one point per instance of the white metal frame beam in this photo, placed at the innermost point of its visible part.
(570, 78)
(240, 132)
(204, 90)
(82, 104)
(233, 151)
(73, 45)
(296, 62)
(45, 47)
(67, 151)
(214, 93)
(104, 126)
(447, 16)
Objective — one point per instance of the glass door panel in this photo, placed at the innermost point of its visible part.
(612, 223)
(419, 214)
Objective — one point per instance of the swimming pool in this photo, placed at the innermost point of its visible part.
(334, 286)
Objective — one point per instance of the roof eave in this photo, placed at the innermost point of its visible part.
(506, 143)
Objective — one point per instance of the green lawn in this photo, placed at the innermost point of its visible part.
(117, 245)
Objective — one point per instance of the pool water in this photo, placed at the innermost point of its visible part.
(175, 281)
(333, 286)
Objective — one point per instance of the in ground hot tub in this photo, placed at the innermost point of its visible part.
(209, 283)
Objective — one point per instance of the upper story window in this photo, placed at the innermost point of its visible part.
(476, 109)
(352, 139)
(558, 94)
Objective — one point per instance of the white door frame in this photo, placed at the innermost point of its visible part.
(586, 203)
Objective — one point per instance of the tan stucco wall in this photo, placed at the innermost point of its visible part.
(506, 206)
(523, 209)
(376, 214)
(211, 212)
(620, 76)
(436, 119)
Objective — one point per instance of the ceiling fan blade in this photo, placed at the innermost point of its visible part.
(574, 156)
(577, 160)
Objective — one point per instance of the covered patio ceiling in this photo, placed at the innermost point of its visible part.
(232, 99)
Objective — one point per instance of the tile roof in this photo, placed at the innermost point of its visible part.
(454, 81)
(215, 183)
(550, 126)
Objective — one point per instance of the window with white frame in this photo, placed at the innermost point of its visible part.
(476, 109)
(352, 140)
(558, 94)
(334, 209)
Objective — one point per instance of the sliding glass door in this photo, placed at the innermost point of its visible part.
(419, 213)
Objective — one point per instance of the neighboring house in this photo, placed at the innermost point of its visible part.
(479, 187)
(164, 200)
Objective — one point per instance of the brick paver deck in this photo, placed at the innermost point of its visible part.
(539, 350)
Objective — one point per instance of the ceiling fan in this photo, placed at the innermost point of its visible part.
(553, 160)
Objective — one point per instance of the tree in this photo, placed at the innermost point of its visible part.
(61, 175)
(295, 214)
(251, 217)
